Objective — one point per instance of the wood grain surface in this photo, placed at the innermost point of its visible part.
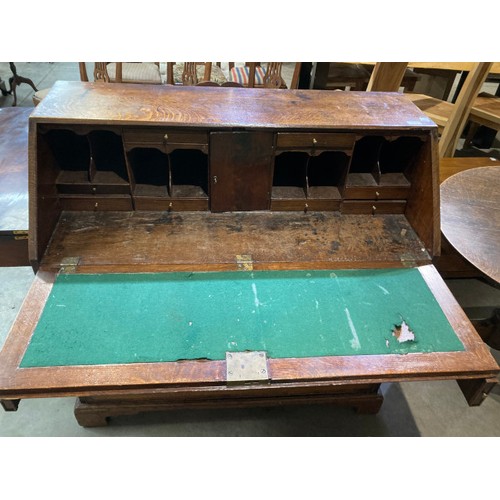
(95, 103)
(452, 166)
(470, 217)
(202, 240)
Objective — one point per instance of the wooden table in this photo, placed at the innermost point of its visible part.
(452, 166)
(470, 222)
(451, 264)
(470, 217)
(14, 186)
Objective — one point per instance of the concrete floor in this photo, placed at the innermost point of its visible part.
(410, 409)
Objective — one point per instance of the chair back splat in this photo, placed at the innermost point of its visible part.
(387, 77)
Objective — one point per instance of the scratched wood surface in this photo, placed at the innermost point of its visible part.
(133, 241)
(470, 217)
(242, 107)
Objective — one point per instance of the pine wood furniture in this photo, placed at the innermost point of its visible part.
(150, 179)
(452, 118)
(14, 186)
(485, 112)
(387, 77)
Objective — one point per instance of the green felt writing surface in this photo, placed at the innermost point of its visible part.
(127, 318)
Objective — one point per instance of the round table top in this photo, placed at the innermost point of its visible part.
(470, 217)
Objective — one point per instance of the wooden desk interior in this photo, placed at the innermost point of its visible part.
(168, 241)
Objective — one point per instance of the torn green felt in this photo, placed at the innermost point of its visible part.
(129, 318)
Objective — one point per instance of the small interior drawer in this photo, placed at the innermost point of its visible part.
(312, 140)
(168, 204)
(376, 192)
(305, 205)
(143, 136)
(96, 203)
(373, 207)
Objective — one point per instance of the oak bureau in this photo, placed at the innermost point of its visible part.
(200, 247)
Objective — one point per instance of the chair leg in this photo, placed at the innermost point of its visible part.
(470, 134)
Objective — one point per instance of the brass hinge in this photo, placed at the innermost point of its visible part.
(69, 264)
(249, 367)
(20, 234)
(408, 260)
(245, 262)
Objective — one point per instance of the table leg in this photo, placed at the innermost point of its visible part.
(15, 80)
(476, 390)
(486, 321)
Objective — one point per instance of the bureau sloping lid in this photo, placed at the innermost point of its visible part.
(31, 365)
(214, 107)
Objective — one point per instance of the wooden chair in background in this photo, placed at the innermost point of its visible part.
(114, 72)
(387, 77)
(215, 84)
(254, 75)
(452, 118)
(193, 73)
(123, 72)
(352, 76)
(485, 112)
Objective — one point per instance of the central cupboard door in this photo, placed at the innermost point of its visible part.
(241, 170)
